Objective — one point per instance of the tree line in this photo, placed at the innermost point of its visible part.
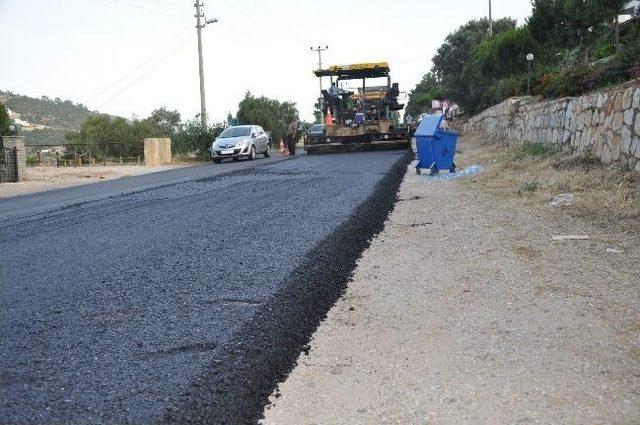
(578, 45)
(107, 136)
(4, 120)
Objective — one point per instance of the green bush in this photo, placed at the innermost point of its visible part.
(567, 82)
(193, 139)
(533, 150)
(4, 120)
(505, 88)
(604, 50)
(503, 54)
(579, 79)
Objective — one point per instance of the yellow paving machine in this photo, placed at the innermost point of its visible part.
(361, 110)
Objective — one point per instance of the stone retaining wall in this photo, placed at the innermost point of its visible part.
(605, 125)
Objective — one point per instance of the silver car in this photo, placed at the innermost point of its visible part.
(240, 141)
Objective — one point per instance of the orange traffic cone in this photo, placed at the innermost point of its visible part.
(282, 151)
(328, 118)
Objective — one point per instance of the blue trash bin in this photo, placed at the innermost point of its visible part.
(435, 146)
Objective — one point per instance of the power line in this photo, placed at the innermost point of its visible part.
(151, 10)
(167, 6)
(248, 13)
(148, 72)
(277, 18)
(141, 65)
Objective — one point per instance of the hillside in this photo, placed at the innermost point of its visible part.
(44, 120)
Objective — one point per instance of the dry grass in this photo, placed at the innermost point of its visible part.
(606, 195)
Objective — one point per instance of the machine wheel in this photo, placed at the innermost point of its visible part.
(434, 170)
(252, 153)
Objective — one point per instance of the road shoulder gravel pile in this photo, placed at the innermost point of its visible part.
(464, 310)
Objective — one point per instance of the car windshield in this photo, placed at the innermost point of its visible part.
(235, 132)
(316, 128)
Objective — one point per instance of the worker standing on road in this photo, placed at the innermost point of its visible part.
(292, 133)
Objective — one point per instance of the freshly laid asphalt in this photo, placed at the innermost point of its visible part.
(181, 296)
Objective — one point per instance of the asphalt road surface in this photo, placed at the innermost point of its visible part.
(181, 296)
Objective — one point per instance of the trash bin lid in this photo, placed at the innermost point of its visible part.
(429, 125)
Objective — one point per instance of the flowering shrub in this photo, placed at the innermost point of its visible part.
(580, 79)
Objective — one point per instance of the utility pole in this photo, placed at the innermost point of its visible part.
(320, 49)
(490, 20)
(199, 25)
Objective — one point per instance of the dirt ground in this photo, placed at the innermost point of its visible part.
(38, 179)
(465, 310)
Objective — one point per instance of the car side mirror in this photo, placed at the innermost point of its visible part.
(254, 135)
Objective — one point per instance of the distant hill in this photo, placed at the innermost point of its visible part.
(44, 121)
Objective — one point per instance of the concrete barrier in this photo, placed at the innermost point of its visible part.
(157, 151)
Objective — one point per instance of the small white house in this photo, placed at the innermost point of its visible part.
(631, 7)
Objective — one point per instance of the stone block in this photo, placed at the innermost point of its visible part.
(635, 147)
(618, 119)
(616, 146)
(617, 102)
(628, 116)
(627, 98)
(625, 139)
(605, 154)
(636, 99)
(157, 151)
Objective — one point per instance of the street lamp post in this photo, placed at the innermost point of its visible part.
(529, 60)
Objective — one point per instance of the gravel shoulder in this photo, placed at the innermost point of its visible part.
(463, 310)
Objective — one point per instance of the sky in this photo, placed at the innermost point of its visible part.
(129, 57)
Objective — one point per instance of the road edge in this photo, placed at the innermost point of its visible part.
(263, 353)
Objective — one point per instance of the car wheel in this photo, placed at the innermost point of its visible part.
(252, 153)
(267, 154)
(217, 160)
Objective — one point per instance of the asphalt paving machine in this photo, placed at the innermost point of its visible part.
(361, 116)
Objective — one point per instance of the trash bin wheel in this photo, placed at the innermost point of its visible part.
(418, 171)
(453, 168)
(434, 170)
